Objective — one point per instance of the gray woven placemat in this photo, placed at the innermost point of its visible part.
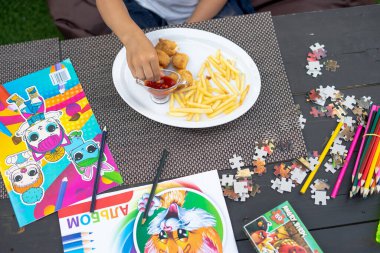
(136, 142)
(20, 59)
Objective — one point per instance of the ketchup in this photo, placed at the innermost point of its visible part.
(165, 82)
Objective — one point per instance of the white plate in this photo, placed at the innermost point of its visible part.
(198, 45)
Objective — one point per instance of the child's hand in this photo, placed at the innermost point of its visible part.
(142, 57)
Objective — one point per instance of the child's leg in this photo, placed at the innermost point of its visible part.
(143, 18)
(236, 7)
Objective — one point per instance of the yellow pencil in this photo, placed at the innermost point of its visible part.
(371, 171)
(322, 157)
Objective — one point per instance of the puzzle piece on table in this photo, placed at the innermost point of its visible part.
(276, 185)
(229, 193)
(348, 121)
(338, 149)
(359, 112)
(241, 187)
(316, 113)
(244, 196)
(331, 111)
(349, 102)
(316, 46)
(298, 175)
(347, 133)
(312, 187)
(314, 65)
(331, 65)
(338, 97)
(315, 97)
(260, 170)
(266, 145)
(321, 185)
(364, 102)
(227, 180)
(313, 69)
(313, 161)
(320, 53)
(329, 167)
(260, 153)
(236, 162)
(244, 173)
(320, 197)
(311, 57)
(340, 112)
(281, 170)
(337, 161)
(286, 185)
(255, 190)
(278, 216)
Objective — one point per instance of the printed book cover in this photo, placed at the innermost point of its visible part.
(281, 231)
(50, 143)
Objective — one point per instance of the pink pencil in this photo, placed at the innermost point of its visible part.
(373, 110)
(347, 162)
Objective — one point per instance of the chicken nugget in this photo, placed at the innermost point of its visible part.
(186, 75)
(180, 60)
(173, 76)
(163, 58)
(168, 46)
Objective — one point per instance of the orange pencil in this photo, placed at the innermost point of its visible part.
(369, 155)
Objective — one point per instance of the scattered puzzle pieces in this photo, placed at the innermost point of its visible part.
(227, 180)
(329, 167)
(286, 185)
(281, 170)
(298, 175)
(276, 185)
(320, 197)
(331, 65)
(236, 162)
(349, 102)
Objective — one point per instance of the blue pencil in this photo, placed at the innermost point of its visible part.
(61, 194)
(75, 245)
(80, 250)
(75, 236)
(5, 130)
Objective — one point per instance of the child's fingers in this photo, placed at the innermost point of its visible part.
(140, 73)
(148, 72)
(156, 70)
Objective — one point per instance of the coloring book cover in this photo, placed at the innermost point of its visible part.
(281, 231)
(50, 143)
(187, 214)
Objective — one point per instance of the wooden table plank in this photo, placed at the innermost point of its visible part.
(350, 35)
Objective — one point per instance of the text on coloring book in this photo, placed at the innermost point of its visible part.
(98, 216)
(293, 218)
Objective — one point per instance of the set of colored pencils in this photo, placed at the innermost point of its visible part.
(366, 173)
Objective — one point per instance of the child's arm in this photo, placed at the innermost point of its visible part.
(206, 9)
(141, 55)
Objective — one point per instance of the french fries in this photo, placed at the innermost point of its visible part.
(219, 89)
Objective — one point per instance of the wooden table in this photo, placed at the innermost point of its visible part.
(351, 37)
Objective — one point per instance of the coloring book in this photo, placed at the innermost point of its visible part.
(281, 231)
(187, 214)
(50, 143)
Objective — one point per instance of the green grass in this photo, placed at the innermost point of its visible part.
(24, 20)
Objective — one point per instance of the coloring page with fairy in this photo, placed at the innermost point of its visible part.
(50, 143)
(187, 214)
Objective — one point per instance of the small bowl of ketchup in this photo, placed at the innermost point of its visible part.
(160, 90)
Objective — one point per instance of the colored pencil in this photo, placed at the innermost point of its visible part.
(98, 169)
(322, 156)
(81, 250)
(373, 162)
(358, 175)
(61, 194)
(347, 161)
(75, 236)
(76, 244)
(370, 118)
(161, 165)
(370, 155)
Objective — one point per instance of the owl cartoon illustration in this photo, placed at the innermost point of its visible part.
(42, 132)
(26, 177)
(84, 155)
(178, 229)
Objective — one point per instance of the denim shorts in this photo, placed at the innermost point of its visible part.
(146, 19)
